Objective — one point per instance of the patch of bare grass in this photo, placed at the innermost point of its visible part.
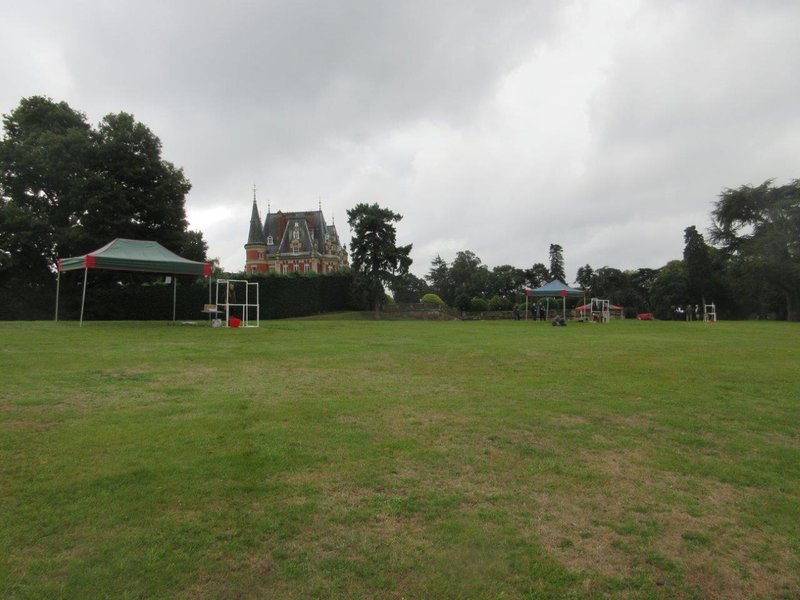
(635, 521)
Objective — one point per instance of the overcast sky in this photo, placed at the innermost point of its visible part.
(497, 127)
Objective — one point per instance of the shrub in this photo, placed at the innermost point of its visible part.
(432, 299)
(146, 297)
(478, 305)
(499, 303)
(462, 302)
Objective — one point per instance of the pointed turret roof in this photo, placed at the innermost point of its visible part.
(256, 231)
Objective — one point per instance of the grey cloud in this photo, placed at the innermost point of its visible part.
(494, 127)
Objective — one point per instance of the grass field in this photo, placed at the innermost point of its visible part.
(346, 458)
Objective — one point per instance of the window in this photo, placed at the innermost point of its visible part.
(269, 240)
(295, 267)
(306, 268)
(284, 269)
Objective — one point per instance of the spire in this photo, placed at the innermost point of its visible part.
(256, 232)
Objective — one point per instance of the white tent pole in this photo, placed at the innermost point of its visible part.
(83, 297)
(58, 285)
(174, 295)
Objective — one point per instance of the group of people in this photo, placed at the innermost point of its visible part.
(686, 313)
(537, 313)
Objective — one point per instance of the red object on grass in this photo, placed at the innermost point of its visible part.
(645, 316)
(234, 322)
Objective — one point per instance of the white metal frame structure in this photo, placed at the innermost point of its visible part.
(223, 301)
(710, 313)
(601, 309)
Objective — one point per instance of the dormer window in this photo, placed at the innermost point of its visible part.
(269, 240)
(296, 232)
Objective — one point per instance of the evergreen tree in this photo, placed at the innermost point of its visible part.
(759, 229)
(697, 260)
(377, 259)
(557, 263)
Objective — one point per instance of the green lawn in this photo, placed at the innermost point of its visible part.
(346, 458)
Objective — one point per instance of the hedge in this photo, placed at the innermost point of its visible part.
(144, 298)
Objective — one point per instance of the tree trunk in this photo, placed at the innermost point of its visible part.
(792, 306)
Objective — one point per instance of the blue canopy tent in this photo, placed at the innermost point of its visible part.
(557, 289)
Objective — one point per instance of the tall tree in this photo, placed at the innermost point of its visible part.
(377, 259)
(439, 279)
(469, 277)
(67, 189)
(43, 180)
(669, 289)
(537, 275)
(584, 277)
(759, 227)
(505, 281)
(697, 259)
(557, 262)
(408, 288)
(139, 195)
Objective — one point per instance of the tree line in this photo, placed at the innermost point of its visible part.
(750, 268)
(67, 188)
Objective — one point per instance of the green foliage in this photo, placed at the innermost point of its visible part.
(463, 302)
(298, 295)
(537, 275)
(478, 305)
(439, 279)
(67, 189)
(468, 277)
(670, 288)
(500, 303)
(375, 255)
(759, 230)
(630, 289)
(584, 277)
(697, 260)
(432, 299)
(408, 288)
(506, 281)
(131, 297)
(557, 263)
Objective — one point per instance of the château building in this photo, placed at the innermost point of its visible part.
(294, 242)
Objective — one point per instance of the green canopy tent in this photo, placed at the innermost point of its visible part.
(132, 255)
(557, 289)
